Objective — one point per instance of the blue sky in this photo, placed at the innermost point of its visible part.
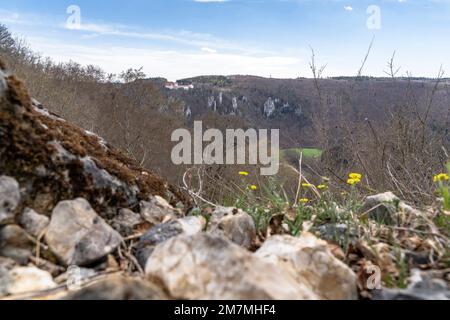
(182, 38)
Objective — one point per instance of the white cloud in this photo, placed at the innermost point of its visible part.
(171, 64)
(14, 18)
(181, 37)
(348, 8)
(190, 53)
(208, 50)
(96, 28)
(10, 17)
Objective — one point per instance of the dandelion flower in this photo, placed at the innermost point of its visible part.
(306, 185)
(322, 187)
(253, 187)
(441, 177)
(243, 173)
(355, 176)
(304, 200)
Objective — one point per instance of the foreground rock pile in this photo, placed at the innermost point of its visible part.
(186, 259)
(79, 220)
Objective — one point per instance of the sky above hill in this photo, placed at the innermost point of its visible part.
(182, 38)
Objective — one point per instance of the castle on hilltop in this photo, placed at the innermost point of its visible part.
(176, 86)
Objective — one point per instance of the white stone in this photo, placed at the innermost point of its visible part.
(33, 223)
(188, 226)
(210, 267)
(78, 236)
(9, 199)
(311, 263)
(158, 210)
(233, 224)
(28, 279)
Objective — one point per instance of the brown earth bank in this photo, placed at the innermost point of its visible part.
(56, 160)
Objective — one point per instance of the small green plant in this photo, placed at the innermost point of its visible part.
(442, 181)
(443, 223)
(295, 224)
(442, 219)
(403, 272)
(262, 203)
(316, 205)
(447, 192)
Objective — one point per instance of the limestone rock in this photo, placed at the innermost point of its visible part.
(6, 265)
(382, 207)
(26, 280)
(3, 84)
(15, 243)
(336, 232)
(269, 107)
(9, 199)
(233, 224)
(78, 236)
(117, 287)
(33, 222)
(126, 222)
(211, 267)
(187, 226)
(158, 210)
(74, 277)
(311, 263)
(421, 287)
(57, 160)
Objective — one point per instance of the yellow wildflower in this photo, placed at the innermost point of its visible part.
(306, 185)
(243, 173)
(322, 187)
(253, 187)
(304, 200)
(352, 182)
(355, 176)
(441, 177)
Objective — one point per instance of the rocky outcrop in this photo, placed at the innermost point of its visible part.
(234, 103)
(269, 108)
(212, 103)
(63, 191)
(54, 160)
